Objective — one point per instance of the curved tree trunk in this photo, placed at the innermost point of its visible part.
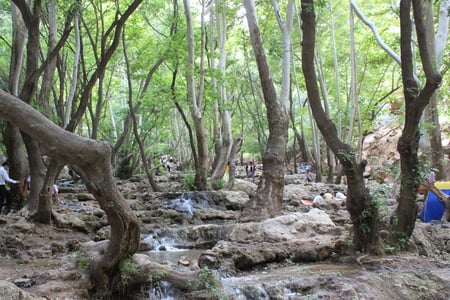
(44, 212)
(93, 157)
(416, 100)
(362, 209)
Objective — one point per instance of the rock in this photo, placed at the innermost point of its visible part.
(24, 282)
(310, 236)
(183, 261)
(85, 197)
(244, 186)
(69, 220)
(9, 291)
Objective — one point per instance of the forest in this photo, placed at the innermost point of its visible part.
(113, 90)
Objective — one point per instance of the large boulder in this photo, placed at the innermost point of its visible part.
(310, 236)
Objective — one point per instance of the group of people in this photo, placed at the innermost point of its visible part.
(5, 196)
(335, 195)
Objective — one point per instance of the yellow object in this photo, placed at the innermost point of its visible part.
(442, 185)
(327, 196)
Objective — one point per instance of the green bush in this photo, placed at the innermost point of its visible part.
(189, 181)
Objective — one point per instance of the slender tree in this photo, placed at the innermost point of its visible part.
(417, 97)
(363, 210)
(196, 99)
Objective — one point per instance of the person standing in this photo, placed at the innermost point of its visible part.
(4, 178)
(251, 171)
(309, 176)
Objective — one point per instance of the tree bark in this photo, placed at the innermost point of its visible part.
(416, 99)
(12, 137)
(437, 152)
(223, 135)
(93, 157)
(269, 194)
(202, 162)
(362, 209)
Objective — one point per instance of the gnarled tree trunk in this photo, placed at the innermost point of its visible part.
(93, 158)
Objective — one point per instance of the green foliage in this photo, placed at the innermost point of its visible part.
(220, 183)
(189, 181)
(348, 236)
(347, 155)
(155, 279)
(82, 263)
(398, 243)
(127, 270)
(124, 170)
(209, 280)
(380, 193)
(310, 297)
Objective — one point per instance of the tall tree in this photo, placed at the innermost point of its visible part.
(196, 99)
(269, 194)
(431, 113)
(417, 97)
(363, 210)
(222, 124)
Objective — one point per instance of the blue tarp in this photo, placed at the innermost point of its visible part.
(432, 208)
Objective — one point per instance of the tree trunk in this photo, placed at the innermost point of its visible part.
(201, 167)
(49, 74)
(437, 152)
(37, 176)
(12, 138)
(222, 132)
(93, 157)
(324, 93)
(44, 212)
(67, 114)
(363, 211)
(416, 100)
(237, 143)
(145, 164)
(269, 194)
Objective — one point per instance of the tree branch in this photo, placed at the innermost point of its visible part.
(380, 42)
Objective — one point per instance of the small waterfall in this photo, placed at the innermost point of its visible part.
(164, 250)
(187, 202)
(163, 244)
(164, 291)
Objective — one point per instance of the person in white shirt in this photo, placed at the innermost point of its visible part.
(340, 196)
(55, 194)
(4, 178)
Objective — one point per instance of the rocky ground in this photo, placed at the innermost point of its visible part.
(299, 255)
